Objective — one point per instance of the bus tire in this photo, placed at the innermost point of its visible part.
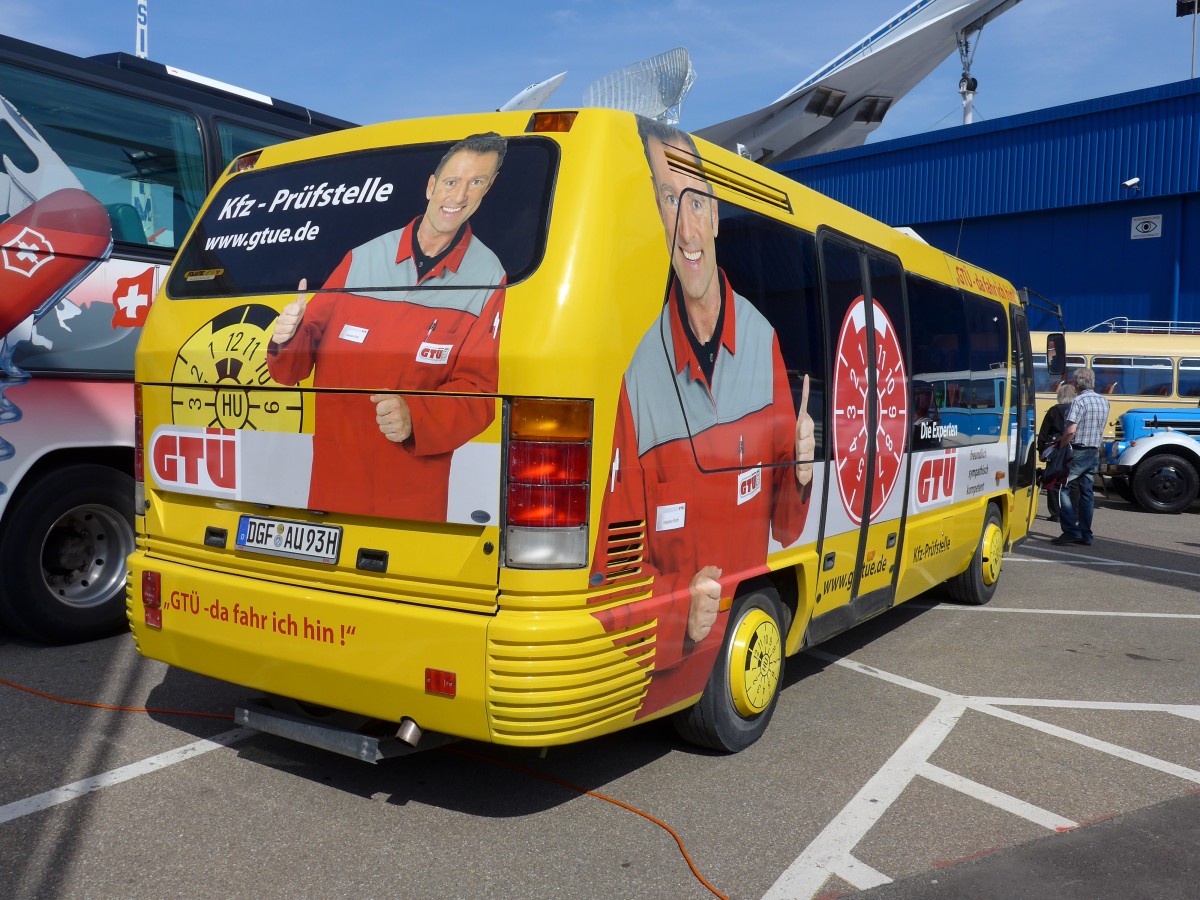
(63, 554)
(743, 687)
(977, 584)
(1165, 484)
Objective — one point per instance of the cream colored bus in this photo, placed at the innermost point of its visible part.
(1138, 365)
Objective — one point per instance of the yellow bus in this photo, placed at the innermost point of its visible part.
(1138, 364)
(527, 428)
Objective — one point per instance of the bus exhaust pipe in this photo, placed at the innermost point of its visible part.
(409, 732)
(368, 746)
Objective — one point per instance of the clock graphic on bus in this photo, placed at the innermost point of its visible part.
(221, 378)
(853, 404)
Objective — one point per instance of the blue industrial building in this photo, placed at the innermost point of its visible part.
(1048, 200)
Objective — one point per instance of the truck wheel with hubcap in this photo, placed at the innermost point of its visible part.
(977, 584)
(1165, 483)
(62, 555)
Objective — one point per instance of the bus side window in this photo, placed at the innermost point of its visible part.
(1145, 376)
(774, 267)
(134, 156)
(987, 325)
(236, 139)
(940, 368)
(1189, 377)
(887, 288)
(1154, 375)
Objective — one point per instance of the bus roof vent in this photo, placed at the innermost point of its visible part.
(723, 177)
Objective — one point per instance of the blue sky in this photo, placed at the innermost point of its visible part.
(374, 60)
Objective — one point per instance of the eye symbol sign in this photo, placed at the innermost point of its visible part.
(1146, 227)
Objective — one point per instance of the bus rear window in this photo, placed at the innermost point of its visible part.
(268, 228)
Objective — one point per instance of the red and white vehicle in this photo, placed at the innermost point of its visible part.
(104, 163)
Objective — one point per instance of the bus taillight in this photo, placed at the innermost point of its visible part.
(152, 598)
(548, 453)
(543, 462)
(539, 506)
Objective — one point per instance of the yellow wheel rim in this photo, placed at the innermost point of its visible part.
(993, 553)
(755, 663)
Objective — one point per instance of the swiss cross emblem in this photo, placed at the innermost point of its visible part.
(131, 300)
(27, 252)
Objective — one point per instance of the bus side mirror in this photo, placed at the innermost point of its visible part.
(1056, 353)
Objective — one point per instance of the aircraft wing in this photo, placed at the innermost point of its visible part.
(534, 96)
(841, 103)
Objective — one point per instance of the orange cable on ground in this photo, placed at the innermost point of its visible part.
(142, 709)
(574, 787)
(465, 753)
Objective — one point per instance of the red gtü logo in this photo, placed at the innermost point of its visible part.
(196, 460)
(935, 478)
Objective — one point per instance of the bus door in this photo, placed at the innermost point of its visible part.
(1022, 465)
(865, 490)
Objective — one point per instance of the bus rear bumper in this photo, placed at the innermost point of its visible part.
(521, 678)
(321, 647)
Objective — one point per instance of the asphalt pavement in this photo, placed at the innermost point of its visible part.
(1046, 745)
(1150, 854)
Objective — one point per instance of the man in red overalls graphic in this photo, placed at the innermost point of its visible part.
(375, 327)
(709, 462)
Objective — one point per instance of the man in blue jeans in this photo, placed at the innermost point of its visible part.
(1085, 428)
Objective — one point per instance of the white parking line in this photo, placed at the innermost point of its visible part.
(1142, 759)
(832, 851)
(1093, 561)
(954, 607)
(996, 798)
(39, 802)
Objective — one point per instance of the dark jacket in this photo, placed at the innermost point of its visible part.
(1054, 423)
(1058, 467)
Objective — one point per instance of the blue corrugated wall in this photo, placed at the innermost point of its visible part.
(1038, 198)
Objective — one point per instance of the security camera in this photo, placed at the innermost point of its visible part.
(1132, 182)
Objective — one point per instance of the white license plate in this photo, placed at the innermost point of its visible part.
(298, 540)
